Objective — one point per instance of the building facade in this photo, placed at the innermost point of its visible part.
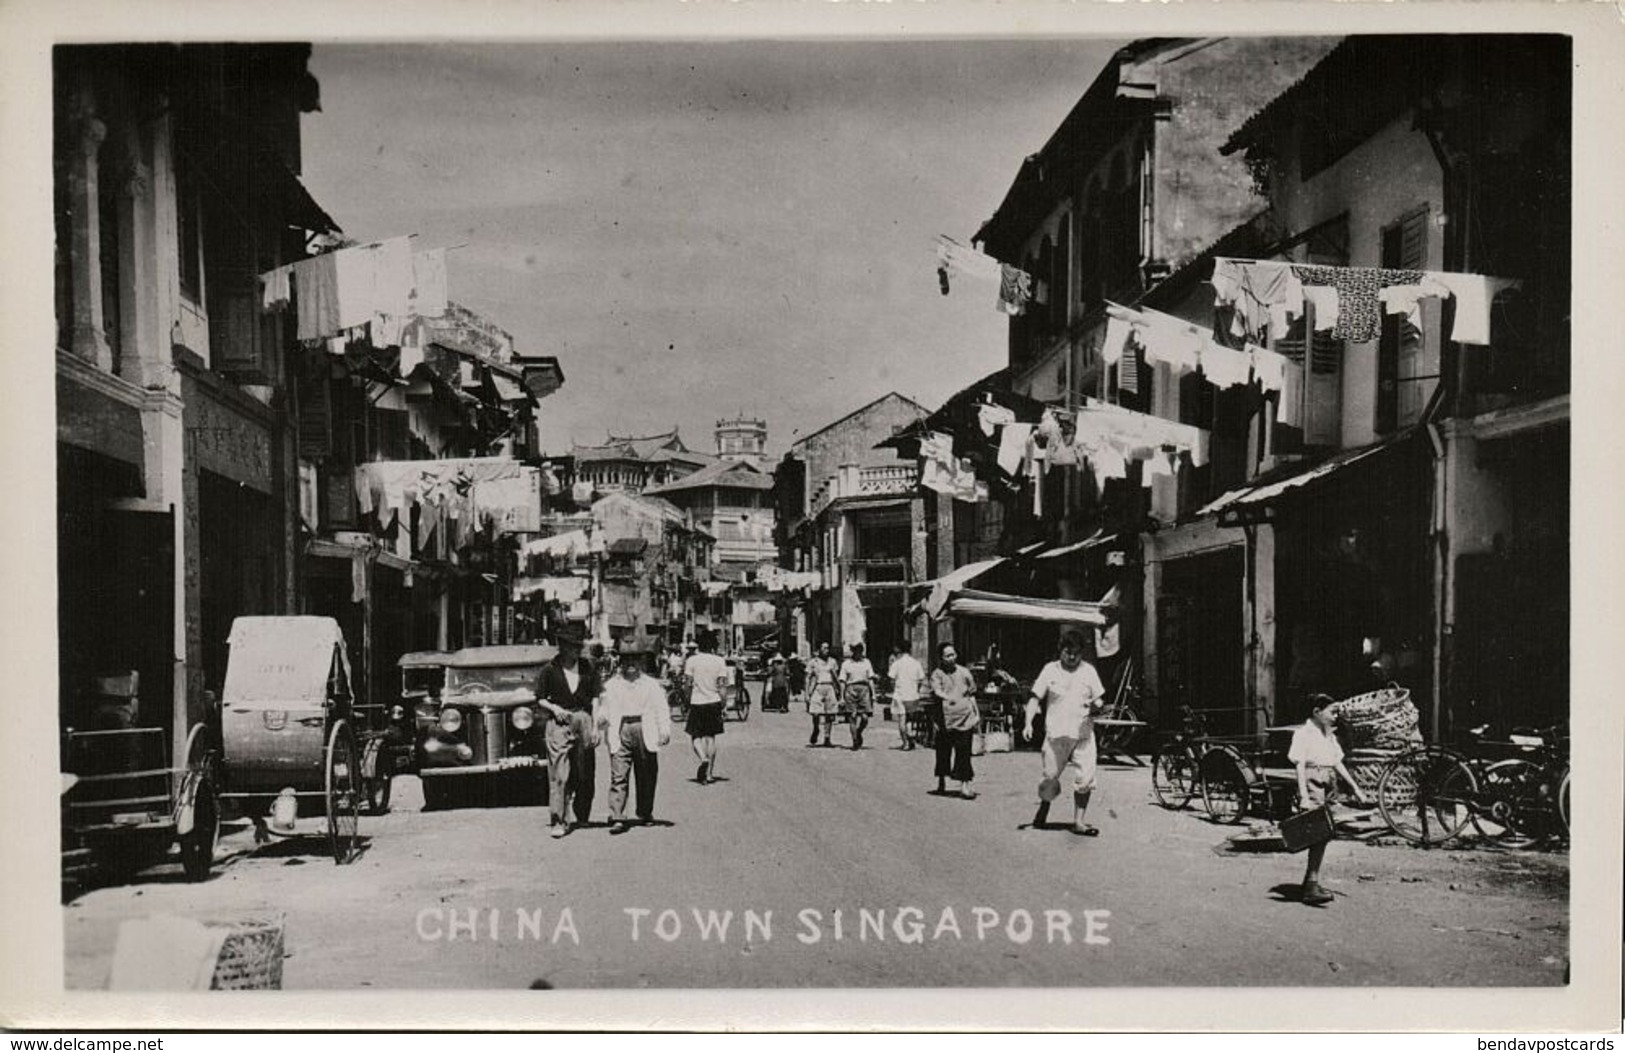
(1406, 465)
(850, 511)
(176, 181)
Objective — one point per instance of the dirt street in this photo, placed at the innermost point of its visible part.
(834, 868)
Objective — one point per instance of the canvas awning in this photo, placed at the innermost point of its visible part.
(976, 604)
(942, 588)
(1251, 498)
(1096, 539)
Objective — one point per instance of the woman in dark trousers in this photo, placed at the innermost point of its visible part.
(954, 689)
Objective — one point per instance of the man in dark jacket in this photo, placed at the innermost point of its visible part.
(568, 691)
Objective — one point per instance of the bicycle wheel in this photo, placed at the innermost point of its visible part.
(1426, 795)
(343, 793)
(1224, 786)
(1516, 804)
(1173, 776)
(1113, 739)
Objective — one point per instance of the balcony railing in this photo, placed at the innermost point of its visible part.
(852, 481)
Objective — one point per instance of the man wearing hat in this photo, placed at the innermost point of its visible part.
(637, 722)
(569, 688)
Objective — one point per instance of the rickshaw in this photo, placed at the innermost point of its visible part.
(123, 804)
(290, 748)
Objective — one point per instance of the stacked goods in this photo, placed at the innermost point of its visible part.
(1374, 728)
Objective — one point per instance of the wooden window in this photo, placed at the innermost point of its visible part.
(188, 217)
(1407, 359)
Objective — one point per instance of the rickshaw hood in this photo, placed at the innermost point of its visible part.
(283, 662)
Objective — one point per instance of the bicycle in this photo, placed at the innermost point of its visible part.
(1175, 773)
(1119, 719)
(1429, 795)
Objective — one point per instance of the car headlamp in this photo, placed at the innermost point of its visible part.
(450, 719)
(523, 718)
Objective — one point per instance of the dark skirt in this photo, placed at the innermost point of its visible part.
(704, 721)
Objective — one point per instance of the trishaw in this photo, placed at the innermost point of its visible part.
(1245, 775)
(123, 804)
(290, 748)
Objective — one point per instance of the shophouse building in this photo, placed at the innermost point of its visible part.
(1130, 189)
(849, 509)
(1280, 473)
(176, 183)
(1436, 510)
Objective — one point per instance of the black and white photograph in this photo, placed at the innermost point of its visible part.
(519, 501)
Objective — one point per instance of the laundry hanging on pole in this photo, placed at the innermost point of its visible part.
(956, 259)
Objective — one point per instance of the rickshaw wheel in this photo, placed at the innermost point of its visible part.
(343, 796)
(1224, 787)
(377, 777)
(197, 847)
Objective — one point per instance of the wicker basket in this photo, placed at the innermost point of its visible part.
(251, 957)
(1362, 709)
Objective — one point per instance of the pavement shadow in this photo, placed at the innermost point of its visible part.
(1291, 892)
(303, 847)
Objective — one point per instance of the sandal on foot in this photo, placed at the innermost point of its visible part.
(1086, 831)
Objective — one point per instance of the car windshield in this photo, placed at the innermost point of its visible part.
(491, 678)
(422, 681)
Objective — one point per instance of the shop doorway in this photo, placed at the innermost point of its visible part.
(1200, 637)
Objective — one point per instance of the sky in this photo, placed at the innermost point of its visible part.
(700, 229)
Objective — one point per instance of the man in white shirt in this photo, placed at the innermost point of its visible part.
(906, 676)
(708, 674)
(637, 722)
(822, 673)
(1070, 693)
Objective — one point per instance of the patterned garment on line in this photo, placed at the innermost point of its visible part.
(1359, 313)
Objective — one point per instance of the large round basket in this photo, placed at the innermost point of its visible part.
(251, 957)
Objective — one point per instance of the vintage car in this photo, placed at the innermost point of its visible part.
(486, 744)
(423, 677)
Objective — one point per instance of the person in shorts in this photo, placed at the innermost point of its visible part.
(708, 674)
(822, 703)
(1069, 693)
(906, 674)
(857, 678)
(1318, 757)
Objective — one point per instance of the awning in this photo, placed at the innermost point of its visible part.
(977, 604)
(943, 587)
(1256, 496)
(1095, 539)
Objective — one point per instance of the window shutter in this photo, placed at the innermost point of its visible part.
(315, 420)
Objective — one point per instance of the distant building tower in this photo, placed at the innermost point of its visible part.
(742, 439)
